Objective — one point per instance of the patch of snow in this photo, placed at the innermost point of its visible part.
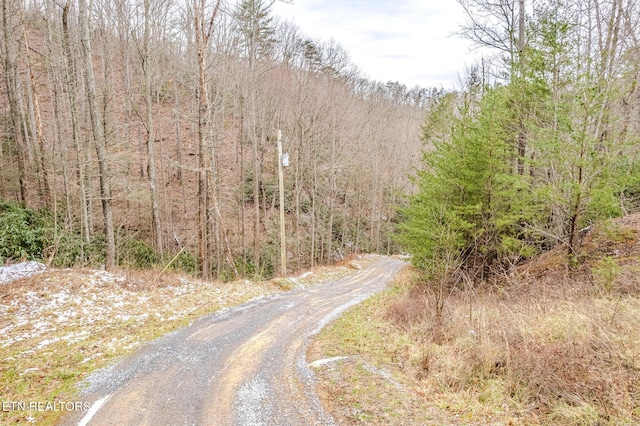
(100, 278)
(91, 357)
(20, 270)
(383, 373)
(76, 337)
(294, 281)
(131, 345)
(65, 316)
(325, 361)
(44, 343)
(356, 265)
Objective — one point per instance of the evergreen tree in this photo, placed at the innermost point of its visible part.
(469, 208)
(580, 167)
(484, 200)
(256, 29)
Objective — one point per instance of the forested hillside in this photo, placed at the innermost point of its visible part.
(138, 131)
(142, 131)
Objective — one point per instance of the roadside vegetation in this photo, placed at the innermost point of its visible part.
(40, 235)
(544, 345)
(521, 306)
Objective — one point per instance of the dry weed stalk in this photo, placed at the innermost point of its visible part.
(552, 350)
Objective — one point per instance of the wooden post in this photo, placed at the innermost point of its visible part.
(283, 245)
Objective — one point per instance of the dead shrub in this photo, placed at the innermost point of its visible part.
(149, 279)
(574, 374)
(409, 310)
(569, 359)
(627, 283)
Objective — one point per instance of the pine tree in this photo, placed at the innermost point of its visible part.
(256, 29)
(467, 213)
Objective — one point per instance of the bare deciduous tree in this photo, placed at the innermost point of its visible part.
(97, 125)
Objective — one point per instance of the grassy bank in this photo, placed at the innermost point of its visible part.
(545, 345)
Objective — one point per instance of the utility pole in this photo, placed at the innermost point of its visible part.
(283, 245)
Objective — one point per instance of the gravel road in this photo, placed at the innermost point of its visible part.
(244, 366)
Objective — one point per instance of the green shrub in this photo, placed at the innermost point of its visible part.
(268, 259)
(606, 272)
(144, 255)
(94, 252)
(22, 232)
(69, 251)
(185, 262)
(74, 251)
(137, 253)
(29, 234)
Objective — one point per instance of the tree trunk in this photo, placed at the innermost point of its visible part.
(153, 179)
(203, 34)
(522, 131)
(256, 196)
(97, 126)
(14, 93)
(39, 134)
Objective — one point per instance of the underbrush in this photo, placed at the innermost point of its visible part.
(40, 235)
(539, 358)
(546, 345)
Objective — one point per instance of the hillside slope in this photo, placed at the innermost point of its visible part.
(340, 190)
(546, 346)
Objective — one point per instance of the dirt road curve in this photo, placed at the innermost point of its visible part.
(246, 366)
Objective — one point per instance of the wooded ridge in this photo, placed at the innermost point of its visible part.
(147, 132)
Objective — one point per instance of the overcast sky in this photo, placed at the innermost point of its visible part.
(400, 40)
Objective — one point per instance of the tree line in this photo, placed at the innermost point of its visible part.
(151, 124)
(541, 142)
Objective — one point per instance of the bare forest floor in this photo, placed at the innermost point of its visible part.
(545, 346)
(57, 326)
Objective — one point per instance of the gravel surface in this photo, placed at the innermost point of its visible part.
(246, 366)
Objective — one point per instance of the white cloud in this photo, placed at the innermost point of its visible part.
(408, 41)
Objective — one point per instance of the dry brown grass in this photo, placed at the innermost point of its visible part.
(566, 362)
(410, 309)
(547, 345)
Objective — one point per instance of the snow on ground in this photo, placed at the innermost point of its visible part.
(65, 322)
(54, 308)
(100, 309)
(75, 306)
(20, 270)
